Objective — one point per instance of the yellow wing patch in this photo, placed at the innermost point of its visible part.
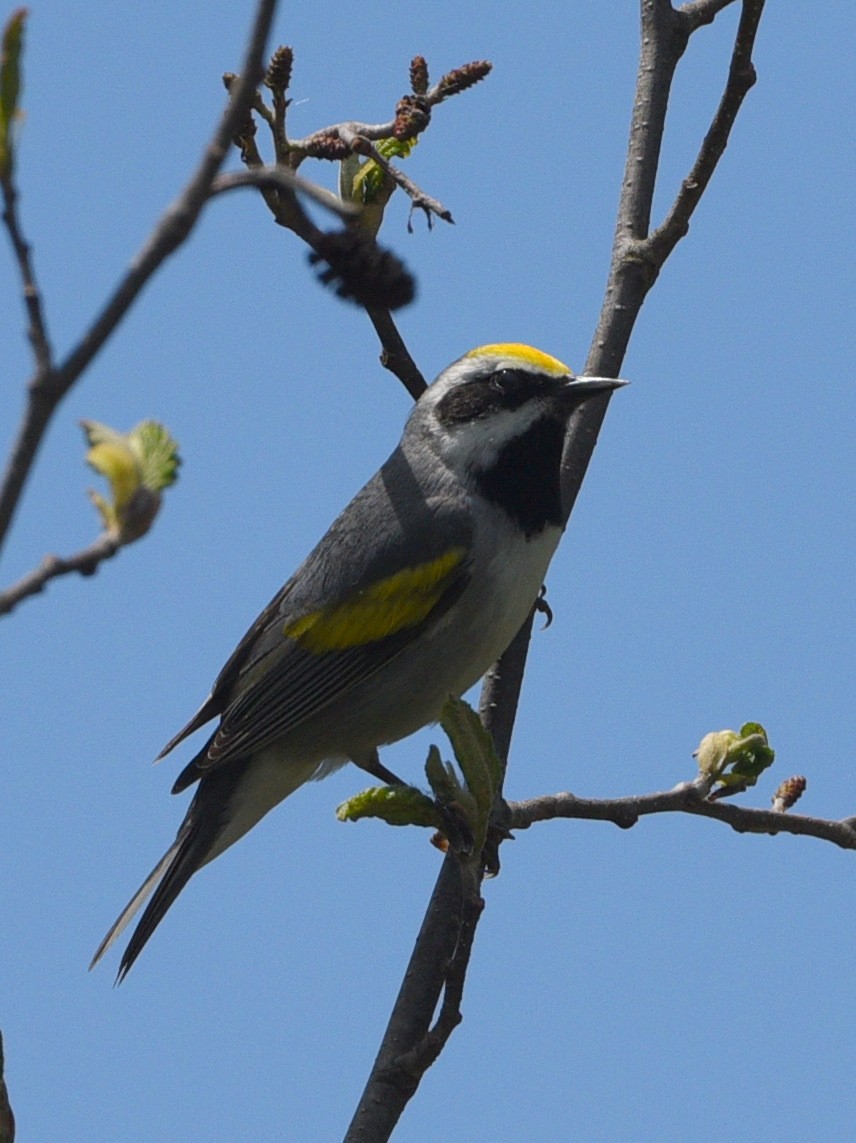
(526, 355)
(388, 606)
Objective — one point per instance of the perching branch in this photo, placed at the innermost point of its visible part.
(636, 262)
(50, 383)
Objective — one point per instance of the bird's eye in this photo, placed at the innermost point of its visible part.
(501, 381)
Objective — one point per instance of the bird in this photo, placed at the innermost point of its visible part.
(414, 591)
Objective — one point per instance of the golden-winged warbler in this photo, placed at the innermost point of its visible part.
(417, 587)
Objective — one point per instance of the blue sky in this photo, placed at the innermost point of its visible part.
(673, 982)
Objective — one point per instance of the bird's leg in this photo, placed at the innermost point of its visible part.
(373, 765)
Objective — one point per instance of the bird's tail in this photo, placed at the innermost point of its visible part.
(134, 904)
(195, 844)
(228, 802)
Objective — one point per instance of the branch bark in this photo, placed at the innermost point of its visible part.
(85, 562)
(687, 798)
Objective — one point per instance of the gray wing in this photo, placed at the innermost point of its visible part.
(272, 683)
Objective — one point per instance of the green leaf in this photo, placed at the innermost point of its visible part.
(10, 86)
(442, 778)
(138, 465)
(396, 805)
(474, 751)
(735, 758)
(157, 451)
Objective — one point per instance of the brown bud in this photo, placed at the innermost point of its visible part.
(327, 147)
(460, 79)
(789, 793)
(418, 75)
(412, 115)
(278, 75)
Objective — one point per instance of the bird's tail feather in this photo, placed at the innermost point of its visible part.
(191, 849)
(136, 901)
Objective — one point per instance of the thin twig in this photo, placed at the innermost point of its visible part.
(741, 79)
(37, 328)
(280, 178)
(49, 386)
(84, 562)
(687, 798)
(395, 356)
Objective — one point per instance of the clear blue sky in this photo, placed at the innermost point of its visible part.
(674, 982)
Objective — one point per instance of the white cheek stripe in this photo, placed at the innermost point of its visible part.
(476, 444)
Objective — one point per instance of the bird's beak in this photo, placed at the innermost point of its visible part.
(579, 389)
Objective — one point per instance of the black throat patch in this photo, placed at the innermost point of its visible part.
(525, 480)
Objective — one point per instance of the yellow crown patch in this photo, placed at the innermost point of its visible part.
(526, 355)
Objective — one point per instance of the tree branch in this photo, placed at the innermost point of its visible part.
(665, 33)
(686, 798)
(37, 330)
(85, 562)
(50, 384)
(281, 178)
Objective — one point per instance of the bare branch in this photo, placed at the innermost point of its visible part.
(337, 142)
(37, 329)
(388, 1088)
(85, 562)
(49, 386)
(420, 1058)
(395, 356)
(281, 178)
(687, 798)
(283, 203)
(741, 79)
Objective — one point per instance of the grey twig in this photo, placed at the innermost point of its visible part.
(51, 383)
(741, 79)
(84, 562)
(281, 178)
(687, 798)
(37, 326)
